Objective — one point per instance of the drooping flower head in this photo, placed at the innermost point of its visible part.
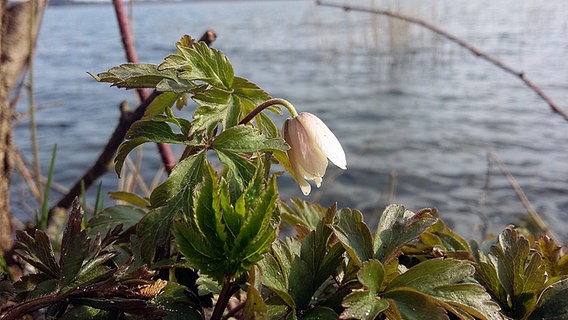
(311, 144)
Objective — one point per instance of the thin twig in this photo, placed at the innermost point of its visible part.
(520, 74)
(537, 219)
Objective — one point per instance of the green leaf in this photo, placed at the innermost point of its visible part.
(215, 106)
(520, 271)
(130, 198)
(183, 179)
(366, 304)
(397, 227)
(354, 235)
(318, 313)
(135, 75)
(306, 213)
(143, 131)
(110, 217)
(160, 104)
(275, 275)
(240, 172)
(410, 304)
(174, 301)
(200, 62)
(552, 302)
(556, 263)
(442, 281)
(246, 139)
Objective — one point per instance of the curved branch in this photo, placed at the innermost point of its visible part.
(520, 74)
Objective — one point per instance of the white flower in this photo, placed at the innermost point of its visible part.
(311, 144)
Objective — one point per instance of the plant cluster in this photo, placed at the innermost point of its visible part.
(205, 244)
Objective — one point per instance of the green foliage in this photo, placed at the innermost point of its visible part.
(523, 282)
(224, 238)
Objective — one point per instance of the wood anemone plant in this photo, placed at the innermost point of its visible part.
(205, 244)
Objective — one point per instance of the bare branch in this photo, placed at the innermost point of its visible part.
(520, 74)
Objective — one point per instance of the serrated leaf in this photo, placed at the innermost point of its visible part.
(38, 252)
(354, 235)
(143, 131)
(185, 176)
(241, 172)
(555, 262)
(208, 65)
(443, 280)
(74, 246)
(110, 217)
(275, 278)
(397, 227)
(521, 272)
(214, 106)
(247, 139)
(135, 75)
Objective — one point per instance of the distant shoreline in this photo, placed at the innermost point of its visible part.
(97, 2)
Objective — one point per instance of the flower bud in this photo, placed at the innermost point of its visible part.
(311, 144)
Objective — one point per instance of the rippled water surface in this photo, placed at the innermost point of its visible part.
(405, 103)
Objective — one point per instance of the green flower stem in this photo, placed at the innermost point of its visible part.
(267, 104)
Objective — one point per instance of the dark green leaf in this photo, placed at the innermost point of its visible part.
(397, 227)
(410, 304)
(135, 75)
(144, 131)
(110, 217)
(363, 305)
(442, 280)
(241, 172)
(247, 139)
(552, 304)
(173, 300)
(354, 234)
(521, 272)
(183, 179)
(319, 313)
(160, 104)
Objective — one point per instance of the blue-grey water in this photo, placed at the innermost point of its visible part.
(399, 98)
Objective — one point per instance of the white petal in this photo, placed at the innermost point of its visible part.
(320, 134)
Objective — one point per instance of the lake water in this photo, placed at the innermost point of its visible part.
(399, 98)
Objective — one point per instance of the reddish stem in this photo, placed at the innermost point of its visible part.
(127, 36)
